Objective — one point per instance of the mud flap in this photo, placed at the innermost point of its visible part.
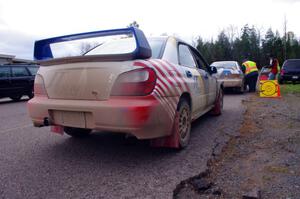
(57, 129)
(171, 141)
(217, 106)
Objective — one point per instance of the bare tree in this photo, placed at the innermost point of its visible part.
(87, 46)
(232, 32)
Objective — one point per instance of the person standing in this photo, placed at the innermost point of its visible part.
(250, 70)
(275, 68)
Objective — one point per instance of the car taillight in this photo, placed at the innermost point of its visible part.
(282, 72)
(39, 86)
(137, 82)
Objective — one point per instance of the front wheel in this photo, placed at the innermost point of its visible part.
(77, 132)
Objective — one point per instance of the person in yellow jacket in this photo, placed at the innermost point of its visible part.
(250, 70)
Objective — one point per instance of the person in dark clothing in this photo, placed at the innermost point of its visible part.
(250, 70)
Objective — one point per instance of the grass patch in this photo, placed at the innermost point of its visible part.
(290, 88)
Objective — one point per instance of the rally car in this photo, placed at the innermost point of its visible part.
(230, 73)
(151, 88)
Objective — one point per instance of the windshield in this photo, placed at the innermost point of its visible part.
(227, 64)
(292, 64)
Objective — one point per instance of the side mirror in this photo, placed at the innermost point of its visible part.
(213, 70)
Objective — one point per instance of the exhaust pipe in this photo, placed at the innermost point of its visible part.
(47, 121)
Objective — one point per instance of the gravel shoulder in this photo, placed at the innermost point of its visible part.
(262, 160)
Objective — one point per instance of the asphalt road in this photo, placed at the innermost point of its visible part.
(35, 163)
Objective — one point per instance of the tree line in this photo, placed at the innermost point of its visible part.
(249, 43)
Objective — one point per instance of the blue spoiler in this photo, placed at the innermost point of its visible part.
(42, 50)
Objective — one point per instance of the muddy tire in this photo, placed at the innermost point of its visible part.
(77, 132)
(183, 123)
(218, 107)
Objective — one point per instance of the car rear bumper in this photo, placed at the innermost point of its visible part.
(143, 117)
(230, 83)
(295, 77)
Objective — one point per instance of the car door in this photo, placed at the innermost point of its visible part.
(5, 85)
(20, 80)
(193, 78)
(209, 81)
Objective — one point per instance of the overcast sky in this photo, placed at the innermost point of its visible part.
(23, 22)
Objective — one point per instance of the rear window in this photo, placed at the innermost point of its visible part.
(292, 64)
(106, 45)
(125, 45)
(112, 47)
(4, 71)
(19, 72)
(228, 65)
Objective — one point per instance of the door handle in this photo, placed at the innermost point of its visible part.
(189, 74)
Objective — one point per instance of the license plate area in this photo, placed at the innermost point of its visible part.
(294, 77)
(69, 118)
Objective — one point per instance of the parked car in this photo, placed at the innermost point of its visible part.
(17, 80)
(290, 71)
(151, 88)
(231, 74)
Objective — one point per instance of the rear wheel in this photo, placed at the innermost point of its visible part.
(184, 123)
(16, 98)
(77, 132)
(181, 129)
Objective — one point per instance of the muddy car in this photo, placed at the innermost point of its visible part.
(151, 88)
(231, 74)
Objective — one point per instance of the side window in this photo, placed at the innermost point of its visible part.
(185, 56)
(19, 72)
(199, 61)
(4, 71)
(33, 70)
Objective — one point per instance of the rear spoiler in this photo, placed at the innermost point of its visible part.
(42, 50)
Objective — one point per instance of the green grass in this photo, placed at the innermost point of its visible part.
(290, 88)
